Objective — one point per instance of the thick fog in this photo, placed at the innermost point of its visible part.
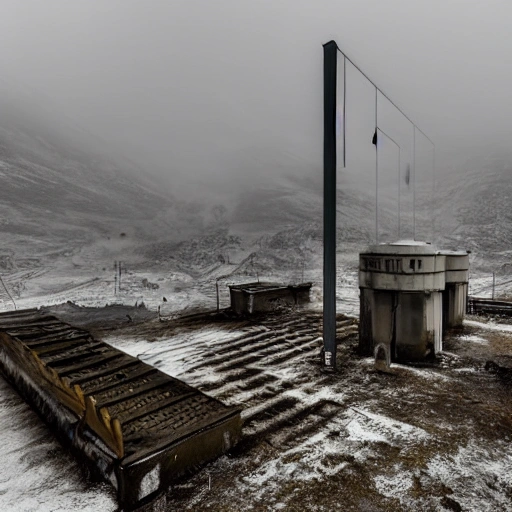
(197, 90)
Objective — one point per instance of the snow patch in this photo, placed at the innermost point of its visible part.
(368, 426)
(394, 486)
(490, 326)
(472, 467)
(474, 339)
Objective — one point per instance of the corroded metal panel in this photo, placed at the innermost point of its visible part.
(137, 427)
(264, 297)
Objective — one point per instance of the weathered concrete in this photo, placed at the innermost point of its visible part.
(402, 287)
(456, 290)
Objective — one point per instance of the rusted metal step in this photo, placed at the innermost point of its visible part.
(36, 323)
(115, 378)
(108, 368)
(67, 334)
(138, 427)
(59, 350)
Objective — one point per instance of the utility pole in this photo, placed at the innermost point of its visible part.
(329, 306)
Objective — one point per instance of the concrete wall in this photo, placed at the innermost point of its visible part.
(408, 290)
(366, 345)
(409, 324)
(454, 304)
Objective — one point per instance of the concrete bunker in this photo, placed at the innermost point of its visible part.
(262, 297)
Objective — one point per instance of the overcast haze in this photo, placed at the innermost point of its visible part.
(198, 89)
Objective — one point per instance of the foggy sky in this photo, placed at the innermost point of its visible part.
(195, 89)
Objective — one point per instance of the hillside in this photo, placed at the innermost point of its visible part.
(474, 211)
(69, 210)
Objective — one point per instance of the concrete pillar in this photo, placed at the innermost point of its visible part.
(401, 288)
(456, 290)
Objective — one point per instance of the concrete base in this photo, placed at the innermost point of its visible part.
(407, 290)
(408, 324)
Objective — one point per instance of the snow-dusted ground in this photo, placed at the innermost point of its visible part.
(360, 436)
(37, 473)
(482, 284)
(181, 291)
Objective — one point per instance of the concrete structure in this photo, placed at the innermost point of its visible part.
(261, 297)
(456, 289)
(402, 286)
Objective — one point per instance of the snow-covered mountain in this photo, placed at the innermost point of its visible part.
(474, 210)
(61, 190)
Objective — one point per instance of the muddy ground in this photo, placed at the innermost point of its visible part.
(421, 437)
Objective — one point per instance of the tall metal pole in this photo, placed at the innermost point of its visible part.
(329, 313)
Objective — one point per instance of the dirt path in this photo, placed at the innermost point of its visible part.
(435, 437)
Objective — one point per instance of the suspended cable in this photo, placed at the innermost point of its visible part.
(433, 192)
(376, 169)
(414, 182)
(375, 139)
(399, 161)
(344, 111)
(384, 94)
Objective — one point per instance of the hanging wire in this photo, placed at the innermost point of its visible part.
(414, 126)
(433, 193)
(344, 110)
(384, 94)
(399, 170)
(376, 169)
(414, 182)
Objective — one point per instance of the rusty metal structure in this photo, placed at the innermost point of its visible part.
(134, 426)
(262, 297)
(482, 306)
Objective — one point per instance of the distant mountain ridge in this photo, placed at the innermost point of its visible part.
(474, 210)
(59, 189)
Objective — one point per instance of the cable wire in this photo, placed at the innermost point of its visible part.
(384, 94)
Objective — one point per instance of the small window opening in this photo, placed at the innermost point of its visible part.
(419, 264)
(412, 264)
